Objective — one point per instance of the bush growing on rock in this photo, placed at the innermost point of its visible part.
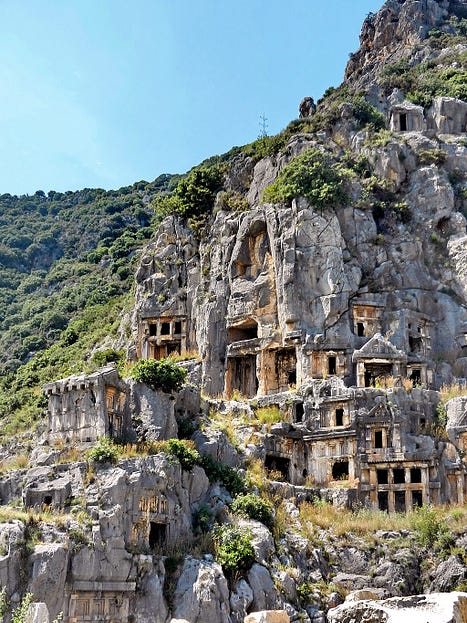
(431, 529)
(105, 451)
(160, 374)
(253, 507)
(183, 450)
(310, 175)
(233, 549)
(193, 198)
(228, 476)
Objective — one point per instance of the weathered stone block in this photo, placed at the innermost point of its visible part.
(268, 616)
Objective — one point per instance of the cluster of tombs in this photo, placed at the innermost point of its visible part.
(378, 442)
(361, 416)
(358, 413)
(371, 432)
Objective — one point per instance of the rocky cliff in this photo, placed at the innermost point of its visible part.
(313, 286)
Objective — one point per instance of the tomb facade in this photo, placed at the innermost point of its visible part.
(83, 408)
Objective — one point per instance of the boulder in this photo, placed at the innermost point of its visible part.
(448, 575)
(49, 569)
(240, 600)
(261, 539)
(202, 593)
(37, 613)
(263, 588)
(432, 608)
(268, 616)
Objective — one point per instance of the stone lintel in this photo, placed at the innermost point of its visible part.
(330, 434)
(92, 586)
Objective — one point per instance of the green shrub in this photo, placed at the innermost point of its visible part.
(233, 549)
(435, 77)
(110, 355)
(309, 175)
(105, 451)
(268, 415)
(184, 451)
(193, 198)
(253, 507)
(20, 613)
(430, 528)
(228, 476)
(204, 518)
(366, 114)
(432, 156)
(441, 415)
(231, 201)
(161, 374)
(265, 146)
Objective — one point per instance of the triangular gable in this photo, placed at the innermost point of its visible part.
(378, 347)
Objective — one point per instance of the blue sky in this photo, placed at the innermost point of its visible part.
(103, 93)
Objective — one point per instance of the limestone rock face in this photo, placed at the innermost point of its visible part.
(240, 600)
(434, 608)
(449, 115)
(202, 593)
(48, 577)
(150, 605)
(153, 417)
(390, 32)
(37, 613)
(449, 574)
(315, 340)
(264, 595)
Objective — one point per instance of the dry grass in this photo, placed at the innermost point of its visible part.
(257, 475)
(144, 448)
(33, 516)
(225, 424)
(20, 461)
(388, 382)
(71, 455)
(190, 354)
(267, 416)
(455, 390)
(342, 521)
(365, 522)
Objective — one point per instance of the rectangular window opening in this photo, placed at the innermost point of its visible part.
(157, 534)
(340, 470)
(299, 412)
(398, 476)
(382, 476)
(417, 499)
(399, 501)
(332, 364)
(383, 501)
(403, 122)
(379, 439)
(165, 328)
(277, 464)
(415, 474)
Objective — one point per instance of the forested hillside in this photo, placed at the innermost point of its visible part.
(66, 266)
